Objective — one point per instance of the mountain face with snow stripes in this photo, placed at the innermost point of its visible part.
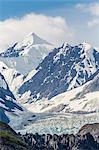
(81, 100)
(7, 101)
(93, 86)
(65, 68)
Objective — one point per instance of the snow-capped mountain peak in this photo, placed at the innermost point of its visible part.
(29, 53)
(86, 45)
(38, 40)
(65, 68)
(30, 40)
(88, 53)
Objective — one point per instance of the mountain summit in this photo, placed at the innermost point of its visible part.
(65, 68)
(30, 40)
(29, 53)
(25, 45)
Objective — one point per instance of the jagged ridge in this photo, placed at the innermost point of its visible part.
(63, 69)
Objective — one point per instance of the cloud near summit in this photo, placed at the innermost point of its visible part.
(52, 29)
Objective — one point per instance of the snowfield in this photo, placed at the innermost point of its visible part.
(65, 102)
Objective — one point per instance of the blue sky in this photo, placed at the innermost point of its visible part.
(14, 8)
(72, 21)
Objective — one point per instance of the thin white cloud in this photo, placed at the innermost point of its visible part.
(93, 23)
(53, 29)
(92, 8)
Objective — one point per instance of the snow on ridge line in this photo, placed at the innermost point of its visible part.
(26, 53)
(65, 68)
(31, 39)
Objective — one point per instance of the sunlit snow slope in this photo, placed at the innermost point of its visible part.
(13, 78)
(25, 56)
(84, 99)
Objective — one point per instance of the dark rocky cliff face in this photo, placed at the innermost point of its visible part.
(90, 128)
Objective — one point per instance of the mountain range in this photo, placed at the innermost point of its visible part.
(64, 68)
(38, 80)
